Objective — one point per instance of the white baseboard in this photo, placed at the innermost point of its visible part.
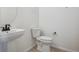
(64, 49)
(59, 47)
(28, 49)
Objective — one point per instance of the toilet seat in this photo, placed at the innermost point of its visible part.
(44, 39)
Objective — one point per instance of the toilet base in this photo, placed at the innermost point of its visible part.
(43, 47)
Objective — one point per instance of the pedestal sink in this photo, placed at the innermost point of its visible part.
(7, 36)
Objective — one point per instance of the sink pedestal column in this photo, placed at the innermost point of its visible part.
(3, 45)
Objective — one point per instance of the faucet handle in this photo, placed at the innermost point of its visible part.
(9, 25)
(3, 29)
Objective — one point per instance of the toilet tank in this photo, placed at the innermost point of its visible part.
(35, 32)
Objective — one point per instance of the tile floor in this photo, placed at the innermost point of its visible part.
(52, 49)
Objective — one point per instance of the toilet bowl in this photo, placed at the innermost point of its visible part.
(43, 42)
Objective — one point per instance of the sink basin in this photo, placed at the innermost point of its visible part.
(12, 34)
(7, 36)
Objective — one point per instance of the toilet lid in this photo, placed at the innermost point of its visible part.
(46, 38)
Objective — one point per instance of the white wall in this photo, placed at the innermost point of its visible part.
(64, 21)
(7, 15)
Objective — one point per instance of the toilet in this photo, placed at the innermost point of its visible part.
(43, 42)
